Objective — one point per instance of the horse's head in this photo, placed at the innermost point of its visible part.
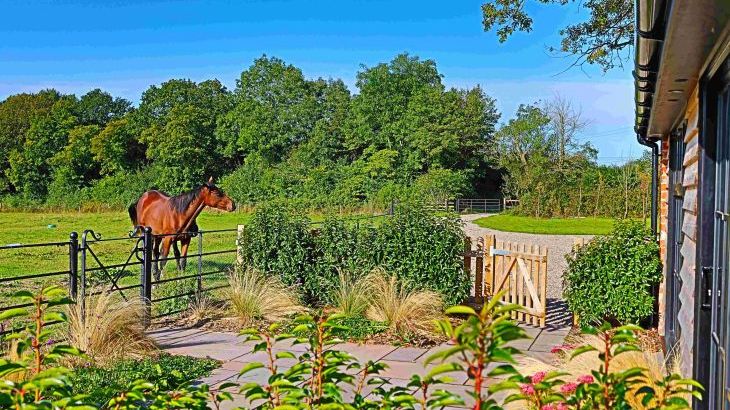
(214, 197)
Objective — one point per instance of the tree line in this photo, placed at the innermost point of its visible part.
(278, 134)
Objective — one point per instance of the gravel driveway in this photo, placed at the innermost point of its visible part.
(558, 246)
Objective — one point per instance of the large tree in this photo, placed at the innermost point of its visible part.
(603, 39)
(16, 114)
(178, 127)
(275, 108)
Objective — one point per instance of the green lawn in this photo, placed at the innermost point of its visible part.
(550, 226)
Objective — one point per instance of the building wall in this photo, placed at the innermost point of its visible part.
(689, 231)
(663, 225)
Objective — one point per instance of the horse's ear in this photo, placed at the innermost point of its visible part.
(210, 180)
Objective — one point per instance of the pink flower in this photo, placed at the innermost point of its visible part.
(548, 407)
(538, 377)
(568, 388)
(527, 389)
(586, 378)
(561, 406)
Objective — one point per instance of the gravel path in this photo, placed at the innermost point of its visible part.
(558, 246)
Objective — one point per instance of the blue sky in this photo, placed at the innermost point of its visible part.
(125, 46)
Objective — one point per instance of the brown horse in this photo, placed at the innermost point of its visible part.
(173, 218)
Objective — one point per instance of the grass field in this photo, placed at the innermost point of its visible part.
(550, 226)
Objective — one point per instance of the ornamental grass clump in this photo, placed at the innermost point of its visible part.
(404, 309)
(351, 297)
(255, 295)
(109, 329)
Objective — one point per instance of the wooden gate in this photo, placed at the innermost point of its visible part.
(520, 270)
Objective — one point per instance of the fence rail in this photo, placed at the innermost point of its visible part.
(482, 205)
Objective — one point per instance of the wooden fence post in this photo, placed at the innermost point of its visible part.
(489, 242)
(239, 238)
(479, 273)
(467, 256)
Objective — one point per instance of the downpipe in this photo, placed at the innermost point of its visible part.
(654, 180)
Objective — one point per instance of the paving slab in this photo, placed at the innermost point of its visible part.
(405, 354)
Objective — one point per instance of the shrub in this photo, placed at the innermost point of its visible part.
(103, 383)
(404, 309)
(111, 329)
(336, 246)
(278, 240)
(424, 250)
(611, 277)
(256, 295)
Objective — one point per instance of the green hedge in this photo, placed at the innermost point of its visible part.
(611, 278)
(419, 247)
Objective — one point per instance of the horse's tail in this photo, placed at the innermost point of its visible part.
(132, 210)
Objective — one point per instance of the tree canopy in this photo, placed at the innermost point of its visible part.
(602, 39)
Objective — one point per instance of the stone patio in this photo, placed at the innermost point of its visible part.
(402, 362)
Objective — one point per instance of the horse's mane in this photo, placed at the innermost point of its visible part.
(182, 202)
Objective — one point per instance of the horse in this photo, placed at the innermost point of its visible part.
(172, 218)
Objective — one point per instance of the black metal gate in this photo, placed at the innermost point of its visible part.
(91, 264)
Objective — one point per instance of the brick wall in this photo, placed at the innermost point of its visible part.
(663, 221)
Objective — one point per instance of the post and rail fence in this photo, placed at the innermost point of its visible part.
(474, 205)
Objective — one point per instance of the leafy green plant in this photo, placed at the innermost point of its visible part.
(423, 249)
(606, 387)
(35, 379)
(601, 273)
(415, 245)
(278, 240)
(101, 384)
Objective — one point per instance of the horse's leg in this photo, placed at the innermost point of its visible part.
(176, 251)
(184, 243)
(156, 251)
(166, 242)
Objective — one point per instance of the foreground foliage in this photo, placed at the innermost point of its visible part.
(325, 378)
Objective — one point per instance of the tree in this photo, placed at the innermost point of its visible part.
(98, 108)
(73, 166)
(16, 114)
(275, 108)
(30, 165)
(386, 91)
(177, 124)
(116, 148)
(603, 39)
(566, 123)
